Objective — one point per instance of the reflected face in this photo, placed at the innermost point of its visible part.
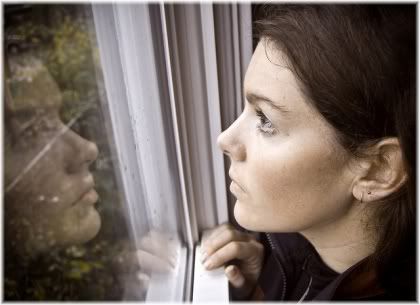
(49, 191)
(289, 173)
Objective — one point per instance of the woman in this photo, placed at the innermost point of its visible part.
(49, 191)
(50, 204)
(323, 158)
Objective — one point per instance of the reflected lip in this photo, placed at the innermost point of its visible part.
(89, 188)
(89, 200)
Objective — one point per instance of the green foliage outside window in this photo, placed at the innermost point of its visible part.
(61, 37)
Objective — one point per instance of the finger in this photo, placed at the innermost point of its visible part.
(160, 245)
(235, 276)
(143, 279)
(222, 239)
(161, 251)
(212, 233)
(152, 241)
(151, 263)
(233, 250)
(126, 261)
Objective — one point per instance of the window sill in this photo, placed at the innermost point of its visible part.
(172, 284)
(209, 286)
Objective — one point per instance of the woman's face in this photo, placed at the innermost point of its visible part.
(50, 192)
(288, 172)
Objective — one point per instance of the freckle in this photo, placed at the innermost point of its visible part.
(55, 199)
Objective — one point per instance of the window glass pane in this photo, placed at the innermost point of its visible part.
(68, 234)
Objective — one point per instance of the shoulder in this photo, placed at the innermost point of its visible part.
(361, 282)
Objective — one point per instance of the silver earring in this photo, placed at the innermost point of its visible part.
(361, 199)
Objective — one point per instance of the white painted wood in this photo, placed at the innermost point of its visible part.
(245, 40)
(136, 97)
(135, 104)
(191, 98)
(119, 128)
(176, 125)
(237, 60)
(209, 286)
(146, 107)
(245, 37)
(180, 97)
(169, 287)
(213, 103)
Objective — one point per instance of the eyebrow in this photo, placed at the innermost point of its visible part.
(253, 98)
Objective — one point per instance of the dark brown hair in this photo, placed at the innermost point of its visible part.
(357, 65)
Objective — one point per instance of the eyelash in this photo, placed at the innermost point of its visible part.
(264, 125)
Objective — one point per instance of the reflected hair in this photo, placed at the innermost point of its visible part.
(357, 65)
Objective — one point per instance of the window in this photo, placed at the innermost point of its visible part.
(111, 170)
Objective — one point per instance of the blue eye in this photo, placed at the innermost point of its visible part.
(264, 125)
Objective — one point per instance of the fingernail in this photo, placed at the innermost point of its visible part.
(230, 270)
(208, 264)
(204, 256)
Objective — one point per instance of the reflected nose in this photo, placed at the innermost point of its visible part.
(84, 151)
(230, 143)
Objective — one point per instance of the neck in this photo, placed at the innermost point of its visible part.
(343, 242)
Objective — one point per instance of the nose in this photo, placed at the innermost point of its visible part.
(230, 143)
(84, 151)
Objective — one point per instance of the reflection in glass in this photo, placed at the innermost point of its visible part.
(65, 233)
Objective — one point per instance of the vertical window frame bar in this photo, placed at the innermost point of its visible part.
(213, 103)
(107, 16)
(190, 220)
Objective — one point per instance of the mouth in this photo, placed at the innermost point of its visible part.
(232, 177)
(89, 196)
(235, 187)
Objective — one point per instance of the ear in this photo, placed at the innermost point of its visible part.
(381, 173)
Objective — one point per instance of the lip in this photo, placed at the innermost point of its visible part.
(235, 183)
(236, 190)
(88, 198)
(89, 195)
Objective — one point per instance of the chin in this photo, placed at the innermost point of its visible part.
(81, 230)
(90, 228)
(256, 220)
(62, 235)
(246, 219)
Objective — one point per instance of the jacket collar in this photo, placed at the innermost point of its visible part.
(358, 282)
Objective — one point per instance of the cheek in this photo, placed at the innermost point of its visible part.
(78, 225)
(292, 171)
(296, 184)
(45, 191)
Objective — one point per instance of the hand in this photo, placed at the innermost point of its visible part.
(156, 253)
(241, 254)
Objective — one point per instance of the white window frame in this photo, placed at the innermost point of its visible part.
(191, 31)
(130, 70)
(125, 34)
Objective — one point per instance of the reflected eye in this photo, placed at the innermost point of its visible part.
(264, 125)
(38, 125)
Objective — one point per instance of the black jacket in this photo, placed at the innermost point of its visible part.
(293, 270)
